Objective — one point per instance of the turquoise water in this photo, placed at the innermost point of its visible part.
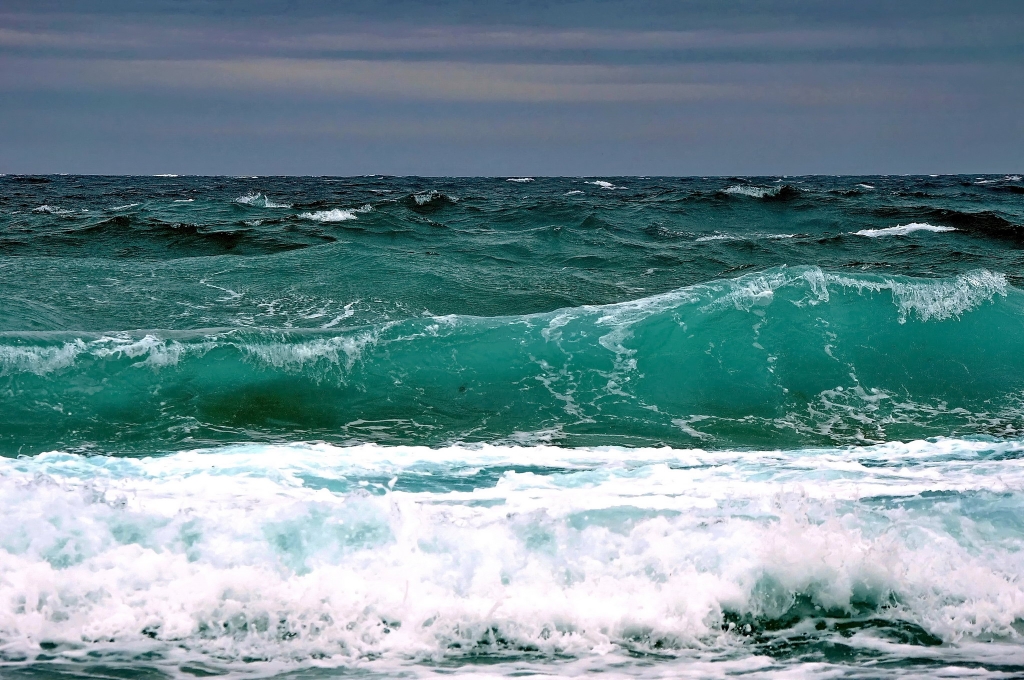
(637, 426)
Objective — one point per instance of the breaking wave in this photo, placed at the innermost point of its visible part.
(778, 356)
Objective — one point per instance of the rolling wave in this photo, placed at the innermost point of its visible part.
(795, 355)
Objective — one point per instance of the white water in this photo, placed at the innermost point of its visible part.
(903, 230)
(378, 557)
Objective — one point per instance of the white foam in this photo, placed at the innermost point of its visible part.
(317, 555)
(1012, 178)
(574, 192)
(53, 210)
(39, 360)
(154, 352)
(258, 200)
(903, 230)
(425, 197)
(752, 191)
(342, 351)
(165, 175)
(519, 179)
(716, 237)
(866, 186)
(184, 200)
(939, 299)
(125, 206)
(603, 184)
(335, 215)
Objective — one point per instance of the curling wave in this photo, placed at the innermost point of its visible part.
(798, 356)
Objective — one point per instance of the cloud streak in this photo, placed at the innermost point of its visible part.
(778, 84)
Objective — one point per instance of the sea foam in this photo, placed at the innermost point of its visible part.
(258, 200)
(302, 555)
(903, 230)
(333, 215)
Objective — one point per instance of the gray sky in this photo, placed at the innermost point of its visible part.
(592, 87)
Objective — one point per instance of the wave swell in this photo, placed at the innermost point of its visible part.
(797, 355)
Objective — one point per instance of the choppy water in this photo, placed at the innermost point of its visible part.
(646, 427)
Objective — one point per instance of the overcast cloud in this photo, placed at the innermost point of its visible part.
(539, 88)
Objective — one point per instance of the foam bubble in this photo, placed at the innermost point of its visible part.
(39, 360)
(940, 299)
(903, 230)
(752, 191)
(334, 215)
(258, 200)
(341, 351)
(426, 197)
(309, 555)
(53, 210)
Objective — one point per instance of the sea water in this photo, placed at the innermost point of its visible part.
(635, 427)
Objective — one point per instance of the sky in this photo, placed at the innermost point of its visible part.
(520, 87)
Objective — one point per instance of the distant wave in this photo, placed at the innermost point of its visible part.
(519, 179)
(258, 200)
(53, 210)
(902, 230)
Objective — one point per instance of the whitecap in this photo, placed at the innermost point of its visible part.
(39, 360)
(258, 200)
(125, 207)
(425, 197)
(574, 192)
(53, 210)
(184, 200)
(335, 215)
(939, 299)
(716, 237)
(603, 184)
(519, 179)
(752, 191)
(902, 230)
(165, 175)
(866, 186)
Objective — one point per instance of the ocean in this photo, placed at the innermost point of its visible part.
(621, 427)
